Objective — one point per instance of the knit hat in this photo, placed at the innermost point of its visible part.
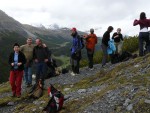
(91, 30)
(16, 44)
(73, 29)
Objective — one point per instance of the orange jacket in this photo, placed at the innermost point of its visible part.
(91, 40)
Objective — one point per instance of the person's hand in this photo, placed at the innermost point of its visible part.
(12, 64)
(46, 60)
(44, 45)
(116, 36)
(36, 60)
(19, 64)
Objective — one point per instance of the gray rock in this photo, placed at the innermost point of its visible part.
(34, 109)
(66, 89)
(11, 104)
(82, 91)
(36, 102)
(147, 101)
(129, 107)
(127, 101)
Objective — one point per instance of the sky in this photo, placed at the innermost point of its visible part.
(82, 14)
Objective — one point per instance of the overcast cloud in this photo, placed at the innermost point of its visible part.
(83, 14)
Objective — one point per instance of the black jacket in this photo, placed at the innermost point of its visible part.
(106, 38)
(40, 53)
(117, 39)
(21, 58)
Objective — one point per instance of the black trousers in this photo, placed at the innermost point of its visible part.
(144, 36)
(90, 54)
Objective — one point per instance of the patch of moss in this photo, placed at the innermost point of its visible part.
(142, 107)
(5, 88)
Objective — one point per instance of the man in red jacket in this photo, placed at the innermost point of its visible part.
(91, 41)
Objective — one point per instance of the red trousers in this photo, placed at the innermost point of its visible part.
(16, 81)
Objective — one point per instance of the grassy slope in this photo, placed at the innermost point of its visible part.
(115, 78)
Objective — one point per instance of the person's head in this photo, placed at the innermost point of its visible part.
(29, 41)
(119, 30)
(73, 31)
(91, 30)
(142, 15)
(16, 47)
(38, 42)
(110, 29)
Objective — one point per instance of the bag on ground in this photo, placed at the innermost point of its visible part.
(56, 102)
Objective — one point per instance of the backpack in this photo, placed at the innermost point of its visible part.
(36, 91)
(56, 102)
(51, 106)
(51, 90)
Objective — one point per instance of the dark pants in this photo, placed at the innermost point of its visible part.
(41, 71)
(144, 36)
(75, 65)
(105, 54)
(28, 75)
(90, 54)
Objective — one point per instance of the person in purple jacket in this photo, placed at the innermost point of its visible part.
(144, 23)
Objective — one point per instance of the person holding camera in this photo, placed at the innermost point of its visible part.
(144, 23)
(16, 61)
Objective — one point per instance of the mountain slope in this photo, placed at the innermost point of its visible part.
(119, 88)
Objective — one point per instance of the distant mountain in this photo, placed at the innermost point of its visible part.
(7, 23)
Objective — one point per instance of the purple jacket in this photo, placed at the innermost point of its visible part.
(143, 23)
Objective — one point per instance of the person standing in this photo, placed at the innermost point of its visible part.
(91, 41)
(16, 61)
(118, 39)
(105, 39)
(144, 23)
(27, 49)
(77, 45)
(40, 56)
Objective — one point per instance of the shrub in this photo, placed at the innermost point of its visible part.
(130, 44)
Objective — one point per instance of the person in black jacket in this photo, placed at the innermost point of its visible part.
(40, 56)
(105, 39)
(16, 61)
(118, 39)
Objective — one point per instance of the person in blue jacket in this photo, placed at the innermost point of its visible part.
(77, 45)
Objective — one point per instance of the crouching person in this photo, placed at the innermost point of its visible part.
(16, 61)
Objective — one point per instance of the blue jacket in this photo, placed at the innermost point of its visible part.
(76, 44)
(111, 47)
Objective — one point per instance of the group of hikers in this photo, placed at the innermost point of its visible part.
(22, 58)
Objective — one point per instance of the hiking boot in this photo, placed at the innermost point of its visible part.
(91, 69)
(73, 74)
(18, 96)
